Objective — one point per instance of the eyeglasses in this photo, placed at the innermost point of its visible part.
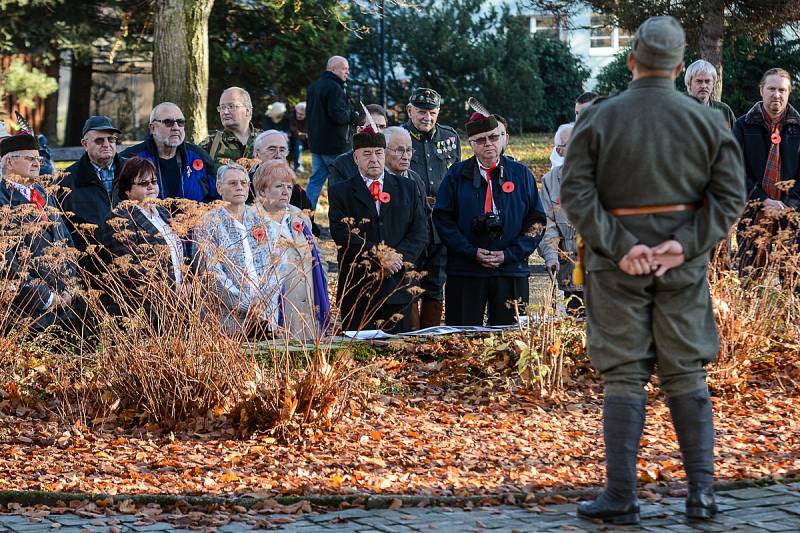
(229, 107)
(146, 183)
(100, 141)
(402, 151)
(29, 158)
(277, 150)
(169, 122)
(480, 141)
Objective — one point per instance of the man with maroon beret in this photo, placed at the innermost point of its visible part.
(378, 223)
(46, 294)
(489, 216)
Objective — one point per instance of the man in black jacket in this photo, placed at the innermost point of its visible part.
(329, 117)
(85, 194)
(378, 224)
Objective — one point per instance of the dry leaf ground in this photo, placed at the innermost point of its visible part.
(442, 427)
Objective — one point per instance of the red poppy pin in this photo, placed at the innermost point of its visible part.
(384, 197)
(297, 225)
(776, 138)
(197, 164)
(259, 234)
(508, 186)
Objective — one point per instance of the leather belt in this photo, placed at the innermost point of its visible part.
(654, 209)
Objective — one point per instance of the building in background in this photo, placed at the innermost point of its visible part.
(591, 36)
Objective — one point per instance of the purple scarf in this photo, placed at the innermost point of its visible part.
(322, 303)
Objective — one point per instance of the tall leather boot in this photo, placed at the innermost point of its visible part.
(413, 316)
(694, 424)
(623, 422)
(431, 314)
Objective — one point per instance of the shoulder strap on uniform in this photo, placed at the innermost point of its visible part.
(215, 144)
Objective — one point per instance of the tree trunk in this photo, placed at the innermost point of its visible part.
(80, 97)
(180, 60)
(50, 126)
(711, 38)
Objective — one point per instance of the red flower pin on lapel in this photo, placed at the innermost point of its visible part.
(508, 186)
(197, 164)
(384, 197)
(297, 225)
(259, 234)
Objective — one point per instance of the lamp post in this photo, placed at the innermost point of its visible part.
(382, 55)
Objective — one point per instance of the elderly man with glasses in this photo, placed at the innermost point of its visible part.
(489, 217)
(235, 140)
(274, 144)
(32, 225)
(184, 169)
(86, 191)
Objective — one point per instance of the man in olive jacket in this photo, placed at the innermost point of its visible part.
(649, 220)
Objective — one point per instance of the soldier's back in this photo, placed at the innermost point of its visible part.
(652, 144)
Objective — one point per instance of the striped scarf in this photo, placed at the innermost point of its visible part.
(772, 170)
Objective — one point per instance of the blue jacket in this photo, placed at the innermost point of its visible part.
(460, 200)
(199, 181)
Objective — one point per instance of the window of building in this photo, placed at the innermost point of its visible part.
(547, 24)
(602, 31)
(623, 38)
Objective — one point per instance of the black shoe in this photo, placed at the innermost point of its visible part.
(619, 513)
(701, 504)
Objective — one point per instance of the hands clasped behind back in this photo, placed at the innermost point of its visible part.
(642, 260)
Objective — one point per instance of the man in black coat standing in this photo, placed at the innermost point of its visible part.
(379, 226)
(85, 194)
(329, 118)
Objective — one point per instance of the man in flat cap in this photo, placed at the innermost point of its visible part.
(48, 283)
(85, 194)
(489, 217)
(649, 220)
(378, 224)
(436, 147)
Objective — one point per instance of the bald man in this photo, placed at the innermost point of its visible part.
(184, 169)
(235, 140)
(329, 117)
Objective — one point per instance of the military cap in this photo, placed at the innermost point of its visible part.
(15, 143)
(99, 123)
(425, 98)
(368, 138)
(479, 123)
(659, 43)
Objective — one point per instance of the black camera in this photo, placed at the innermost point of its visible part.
(488, 224)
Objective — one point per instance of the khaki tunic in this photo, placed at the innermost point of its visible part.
(230, 147)
(649, 146)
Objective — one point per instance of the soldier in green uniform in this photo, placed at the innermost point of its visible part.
(652, 182)
(236, 140)
(436, 147)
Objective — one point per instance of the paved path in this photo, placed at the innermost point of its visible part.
(769, 509)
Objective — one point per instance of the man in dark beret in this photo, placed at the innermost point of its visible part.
(489, 217)
(378, 224)
(48, 279)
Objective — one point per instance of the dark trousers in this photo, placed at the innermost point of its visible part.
(435, 259)
(468, 299)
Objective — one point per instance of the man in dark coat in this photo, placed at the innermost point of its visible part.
(436, 148)
(489, 216)
(47, 281)
(700, 79)
(649, 220)
(85, 194)
(329, 118)
(378, 224)
(184, 169)
(769, 135)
